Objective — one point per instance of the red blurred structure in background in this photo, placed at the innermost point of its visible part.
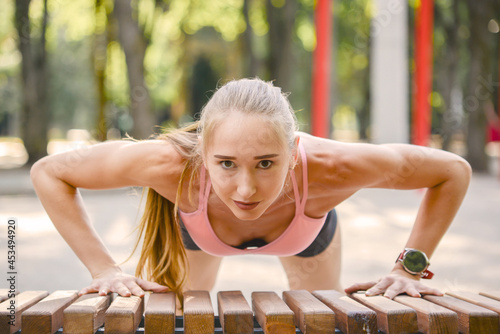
(424, 24)
(320, 103)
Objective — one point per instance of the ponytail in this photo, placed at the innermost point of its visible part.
(163, 256)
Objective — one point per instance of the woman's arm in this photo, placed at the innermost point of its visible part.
(57, 178)
(446, 177)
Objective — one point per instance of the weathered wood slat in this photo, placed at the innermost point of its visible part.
(493, 294)
(46, 316)
(431, 318)
(311, 315)
(272, 314)
(86, 314)
(235, 314)
(392, 317)
(124, 315)
(198, 313)
(4, 294)
(11, 323)
(490, 304)
(350, 316)
(160, 313)
(471, 318)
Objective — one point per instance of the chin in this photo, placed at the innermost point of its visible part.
(247, 214)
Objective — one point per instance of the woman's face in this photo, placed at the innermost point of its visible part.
(247, 164)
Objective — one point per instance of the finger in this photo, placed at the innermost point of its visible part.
(429, 291)
(413, 292)
(86, 290)
(359, 287)
(379, 288)
(396, 290)
(103, 290)
(135, 289)
(122, 289)
(152, 286)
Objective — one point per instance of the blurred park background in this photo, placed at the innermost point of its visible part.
(74, 73)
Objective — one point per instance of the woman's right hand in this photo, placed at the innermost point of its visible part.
(114, 280)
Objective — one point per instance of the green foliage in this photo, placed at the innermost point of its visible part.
(183, 34)
(10, 59)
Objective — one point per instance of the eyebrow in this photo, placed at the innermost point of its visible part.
(259, 157)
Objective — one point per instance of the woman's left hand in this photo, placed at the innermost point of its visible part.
(396, 283)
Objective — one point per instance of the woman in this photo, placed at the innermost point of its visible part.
(242, 180)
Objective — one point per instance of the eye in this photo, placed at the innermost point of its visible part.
(265, 164)
(227, 164)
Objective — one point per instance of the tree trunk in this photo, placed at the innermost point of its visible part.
(448, 79)
(248, 57)
(479, 84)
(281, 31)
(99, 56)
(134, 46)
(34, 118)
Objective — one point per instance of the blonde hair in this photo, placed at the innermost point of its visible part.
(163, 256)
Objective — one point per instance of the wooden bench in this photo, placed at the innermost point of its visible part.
(321, 312)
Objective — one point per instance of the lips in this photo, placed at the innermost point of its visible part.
(246, 205)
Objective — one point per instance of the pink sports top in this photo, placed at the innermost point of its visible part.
(297, 237)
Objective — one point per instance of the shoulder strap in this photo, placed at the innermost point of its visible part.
(204, 188)
(304, 175)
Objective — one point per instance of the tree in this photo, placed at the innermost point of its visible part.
(34, 116)
(248, 57)
(134, 44)
(280, 59)
(99, 56)
(447, 71)
(479, 88)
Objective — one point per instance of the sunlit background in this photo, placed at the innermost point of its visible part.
(75, 73)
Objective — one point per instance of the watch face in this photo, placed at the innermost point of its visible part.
(415, 261)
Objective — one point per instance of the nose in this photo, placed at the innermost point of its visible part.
(246, 185)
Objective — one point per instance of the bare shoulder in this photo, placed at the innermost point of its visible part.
(329, 162)
(352, 166)
(153, 163)
(115, 164)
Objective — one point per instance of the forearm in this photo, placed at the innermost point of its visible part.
(438, 209)
(65, 208)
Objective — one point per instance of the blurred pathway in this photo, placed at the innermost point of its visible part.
(374, 225)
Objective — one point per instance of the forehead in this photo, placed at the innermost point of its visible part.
(245, 134)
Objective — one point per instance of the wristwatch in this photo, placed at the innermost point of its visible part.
(415, 262)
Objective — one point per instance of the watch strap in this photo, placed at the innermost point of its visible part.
(426, 274)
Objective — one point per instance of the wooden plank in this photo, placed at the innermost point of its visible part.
(12, 309)
(492, 294)
(4, 294)
(311, 315)
(431, 318)
(490, 304)
(124, 315)
(271, 312)
(350, 316)
(471, 318)
(198, 313)
(86, 314)
(392, 317)
(46, 316)
(235, 314)
(160, 313)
